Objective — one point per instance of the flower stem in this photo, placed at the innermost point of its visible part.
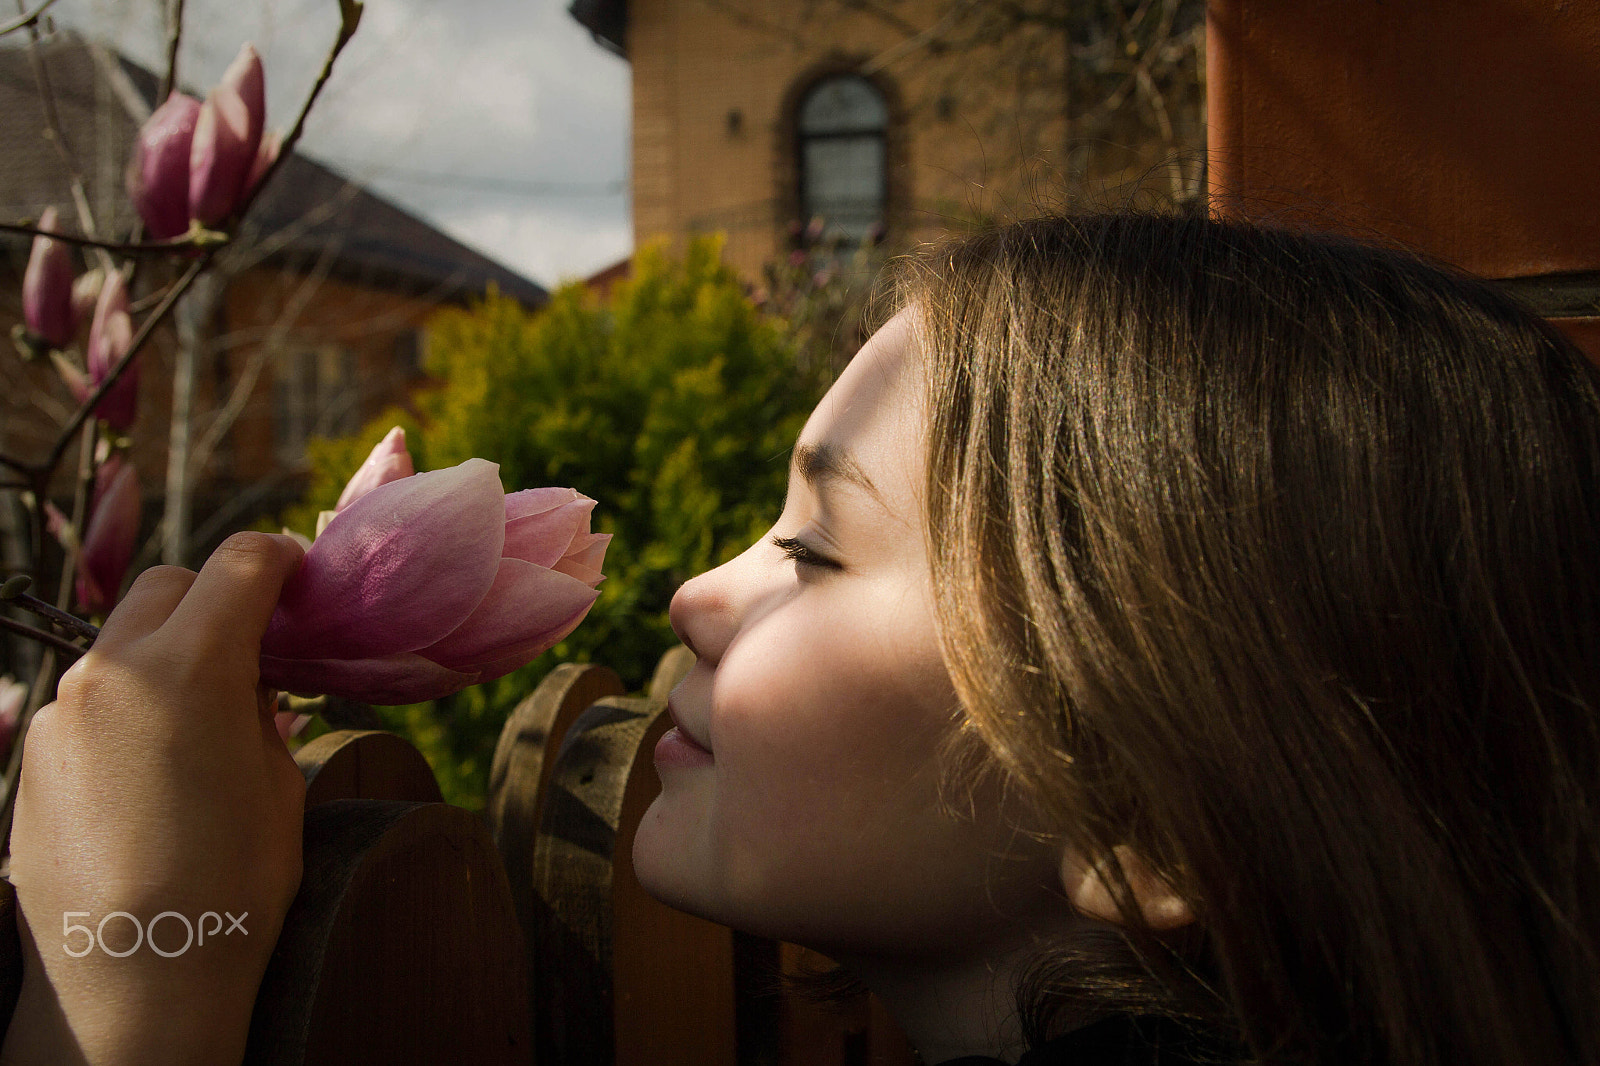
(15, 591)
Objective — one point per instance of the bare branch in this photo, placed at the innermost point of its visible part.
(145, 329)
(245, 386)
(26, 19)
(196, 239)
(48, 639)
(349, 19)
(174, 37)
(58, 137)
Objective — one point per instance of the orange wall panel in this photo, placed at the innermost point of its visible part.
(1463, 128)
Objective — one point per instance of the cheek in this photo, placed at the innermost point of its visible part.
(825, 751)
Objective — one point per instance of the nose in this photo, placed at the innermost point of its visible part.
(704, 612)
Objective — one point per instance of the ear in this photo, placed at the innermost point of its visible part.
(1088, 886)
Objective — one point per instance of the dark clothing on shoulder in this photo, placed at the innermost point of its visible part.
(1121, 1040)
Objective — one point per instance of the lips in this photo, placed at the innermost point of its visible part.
(683, 731)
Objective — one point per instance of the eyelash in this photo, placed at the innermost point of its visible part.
(803, 554)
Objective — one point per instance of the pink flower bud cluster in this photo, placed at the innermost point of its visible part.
(198, 161)
(192, 161)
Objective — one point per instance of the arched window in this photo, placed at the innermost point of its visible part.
(842, 126)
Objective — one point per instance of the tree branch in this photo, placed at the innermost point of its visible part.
(174, 36)
(196, 239)
(26, 19)
(349, 19)
(145, 329)
(49, 640)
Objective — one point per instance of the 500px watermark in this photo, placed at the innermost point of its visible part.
(146, 934)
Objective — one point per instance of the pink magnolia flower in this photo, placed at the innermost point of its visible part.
(430, 583)
(112, 534)
(47, 286)
(389, 461)
(227, 139)
(158, 174)
(109, 337)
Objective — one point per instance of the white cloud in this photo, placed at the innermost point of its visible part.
(509, 95)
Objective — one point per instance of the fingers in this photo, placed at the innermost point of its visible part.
(149, 603)
(234, 594)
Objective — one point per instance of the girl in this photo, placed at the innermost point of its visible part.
(1179, 644)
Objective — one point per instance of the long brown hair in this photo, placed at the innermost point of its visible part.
(1276, 558)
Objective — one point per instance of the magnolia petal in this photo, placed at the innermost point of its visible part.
(526, 605)
(543, 538)
(113, 299)
(585, 562)
(47, 286)
(158, 174)
(522, 657)
(537, 501)
(77, 381)
(246, 77)
(396, 570)
(119, 407)
(109, 541)
(404, 678)
(266, 155)
(221, 155)
(86, 294)
(388, 462)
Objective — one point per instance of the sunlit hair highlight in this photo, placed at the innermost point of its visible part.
(1275, 557)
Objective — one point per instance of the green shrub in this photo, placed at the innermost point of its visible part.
(673, 404)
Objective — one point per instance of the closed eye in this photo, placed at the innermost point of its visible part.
(804, 554)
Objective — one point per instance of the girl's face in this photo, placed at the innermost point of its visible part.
(800, 793)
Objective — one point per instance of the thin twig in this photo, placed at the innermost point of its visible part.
(145, 329)
(174, 37)
(54, 614)
(42, 636)
(244, 389)
(349, 19)
(201, 239)
(26, 19)
(56, 134)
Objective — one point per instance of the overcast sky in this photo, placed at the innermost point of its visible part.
(501, 122)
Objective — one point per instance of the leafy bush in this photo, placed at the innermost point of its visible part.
(674, 405)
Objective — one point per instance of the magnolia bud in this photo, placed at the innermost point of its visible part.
(158, 174)
(109, 337)
(47, 286)
(227, 138)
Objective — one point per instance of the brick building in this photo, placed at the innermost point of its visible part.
(750, 116)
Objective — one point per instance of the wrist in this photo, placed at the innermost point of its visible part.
(128, 1010)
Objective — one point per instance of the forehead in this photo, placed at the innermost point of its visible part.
(873, 418)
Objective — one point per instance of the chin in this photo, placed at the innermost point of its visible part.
(664, 866)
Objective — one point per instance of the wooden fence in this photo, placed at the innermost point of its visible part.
(426, 933)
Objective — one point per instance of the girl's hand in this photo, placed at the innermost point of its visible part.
(157, 782)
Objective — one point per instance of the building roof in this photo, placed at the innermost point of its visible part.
(606, 19)
(307, 211)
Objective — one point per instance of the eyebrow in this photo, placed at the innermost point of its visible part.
(818, 463)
